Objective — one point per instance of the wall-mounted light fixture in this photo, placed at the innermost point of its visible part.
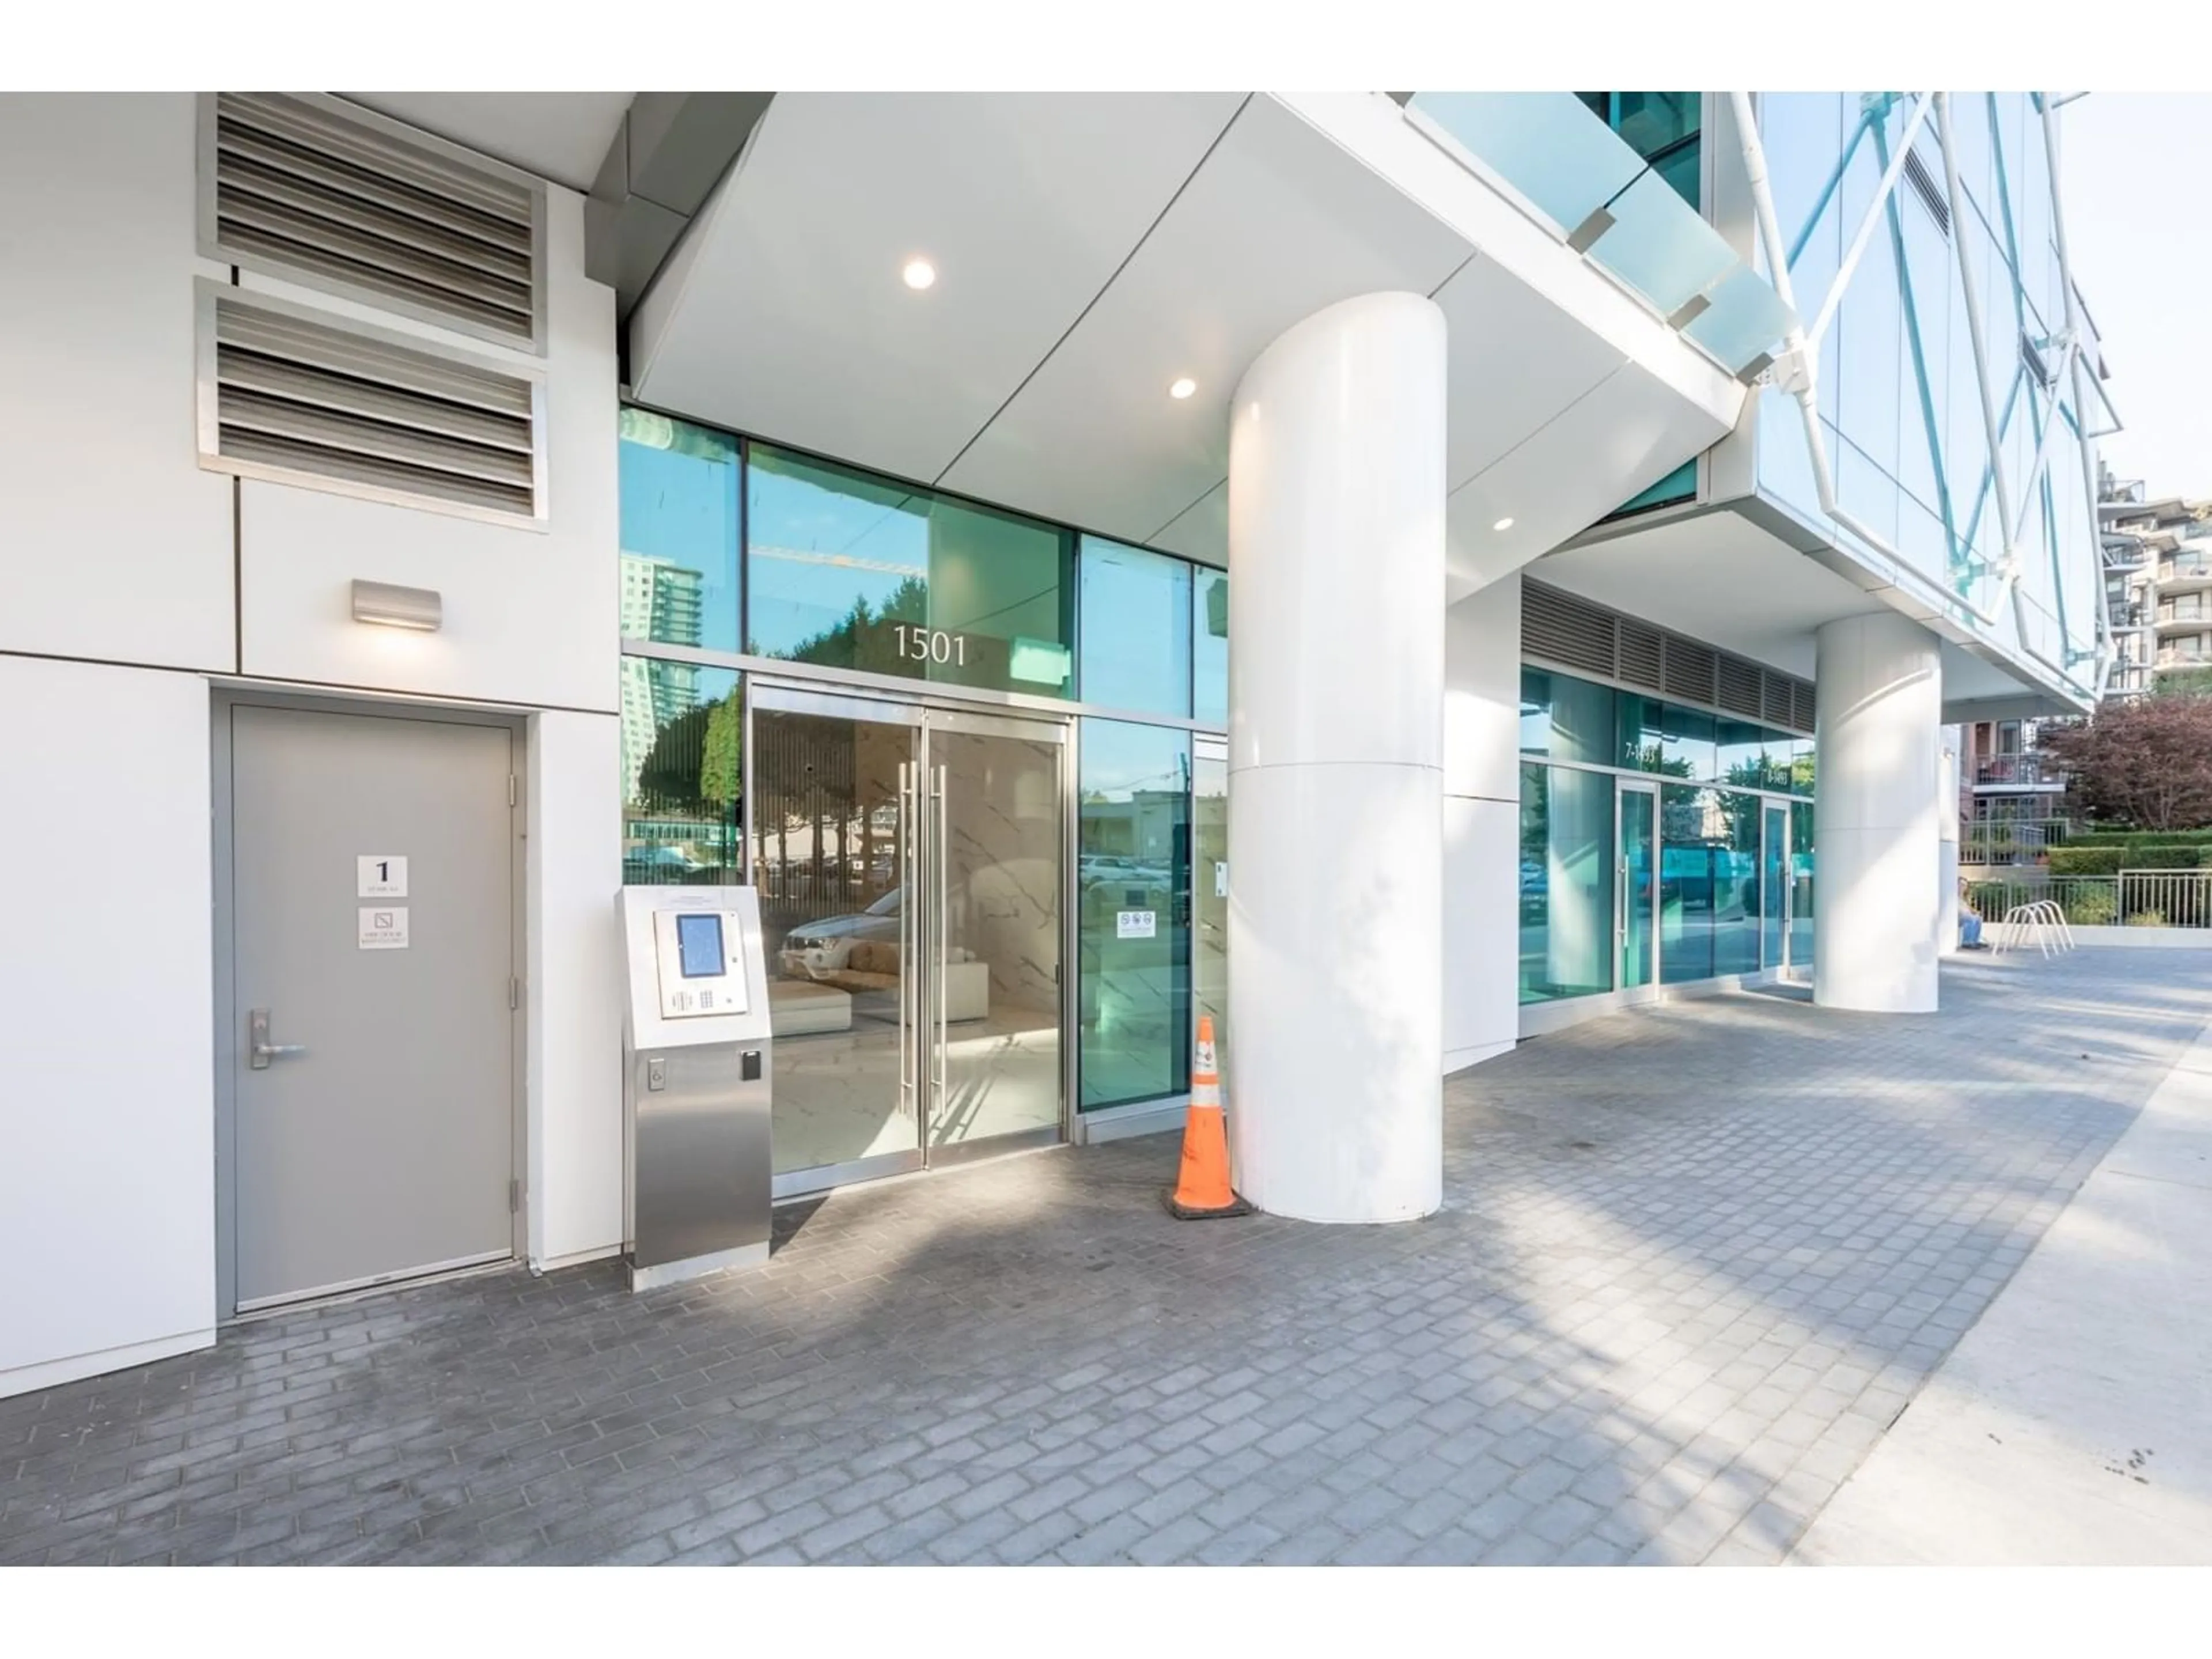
(390, 606)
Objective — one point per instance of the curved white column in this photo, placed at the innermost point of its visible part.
(1947, 860)
(1336, 680)
(1878, 815)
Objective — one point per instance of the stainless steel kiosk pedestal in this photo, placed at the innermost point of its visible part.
(697, 1079)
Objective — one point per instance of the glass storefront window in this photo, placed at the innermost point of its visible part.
(849, 570)
(683, 734)
(1136, 613)
(1686, 746)
(1709, 895)
(1209, 645)
(1801, 911)
(1566, 883)
(1641, 743)
(1132, 891)
(1566, 718)
(679, 533)
(1740, 755)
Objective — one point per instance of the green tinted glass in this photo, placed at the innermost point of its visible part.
(847, 570)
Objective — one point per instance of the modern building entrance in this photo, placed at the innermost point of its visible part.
(911, 862)
(372, 996)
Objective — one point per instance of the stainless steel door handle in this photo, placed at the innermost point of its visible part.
(944, 947)
(259, 1049)
(909, 827)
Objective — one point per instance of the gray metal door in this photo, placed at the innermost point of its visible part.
(372, 881)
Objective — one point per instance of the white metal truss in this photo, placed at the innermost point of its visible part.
(1796, 368)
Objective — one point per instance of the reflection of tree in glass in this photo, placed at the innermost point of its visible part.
(696, 764)
(1655, 759)
(867, 638)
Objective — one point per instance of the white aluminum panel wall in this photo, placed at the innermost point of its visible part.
(113, 544)
(1482, 819)
(106, 1068)
(575, 989)
(531, 615)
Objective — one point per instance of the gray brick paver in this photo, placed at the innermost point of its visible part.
(1674, 1344)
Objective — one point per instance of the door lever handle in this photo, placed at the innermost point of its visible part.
(259, 1049)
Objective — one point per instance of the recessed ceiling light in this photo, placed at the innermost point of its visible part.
(1182, 388)
(1502, 524)
(919, 273)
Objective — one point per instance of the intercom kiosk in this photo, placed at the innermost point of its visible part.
(697, 1083)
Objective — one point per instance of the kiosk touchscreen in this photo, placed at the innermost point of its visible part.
(697, 1082)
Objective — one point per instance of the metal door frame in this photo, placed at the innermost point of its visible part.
(1769, 806)
(921, 716)
(1623, 898)
(227, 1017)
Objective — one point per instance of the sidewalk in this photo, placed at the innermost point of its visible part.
(1693, 1261)
(2073, 1424)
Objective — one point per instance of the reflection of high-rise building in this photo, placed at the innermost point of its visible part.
(660, 601)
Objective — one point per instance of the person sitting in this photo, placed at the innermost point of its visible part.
(1970, 921)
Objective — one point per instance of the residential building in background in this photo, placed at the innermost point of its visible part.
(2013, 803)
(2158, 574)
(1474, 561)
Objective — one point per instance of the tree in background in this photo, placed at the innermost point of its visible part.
(2188, 683)
(2146, 764)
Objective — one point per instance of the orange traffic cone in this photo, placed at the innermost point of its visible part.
(1203, 1189)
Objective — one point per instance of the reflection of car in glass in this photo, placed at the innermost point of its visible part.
(645, 865)
(1535, 887)
(815, 948)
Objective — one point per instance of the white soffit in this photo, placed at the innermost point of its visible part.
(1626, 434)
(1201, 531)
(783, 313)
(1279, 222)
(1717, 577)
(1516, 361)
(559, 136)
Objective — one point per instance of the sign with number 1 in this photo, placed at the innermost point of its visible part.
(380, 875)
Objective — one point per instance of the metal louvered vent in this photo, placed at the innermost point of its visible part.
(1641, 652)
(1568, 631)
(1573, 632)
(1739, 688)
(313, 189)
(1689, 669)
(1923, 181)
(289, 395)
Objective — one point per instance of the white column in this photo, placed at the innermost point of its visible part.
(1878, 815)
(1336, 678)
(1482, 825)
(1946, 852)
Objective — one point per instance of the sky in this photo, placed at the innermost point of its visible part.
(2137, 170)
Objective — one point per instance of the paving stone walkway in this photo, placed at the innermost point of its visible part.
(1693, 1261)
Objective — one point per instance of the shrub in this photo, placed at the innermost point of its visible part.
(2141, 838)
(2090, 907)
(2073, 860)
(2076, 860)
(2145, 918)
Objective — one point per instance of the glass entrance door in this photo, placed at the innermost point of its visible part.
(1774, 888)
(1636, 892)
(910, 864)
(996, 854)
